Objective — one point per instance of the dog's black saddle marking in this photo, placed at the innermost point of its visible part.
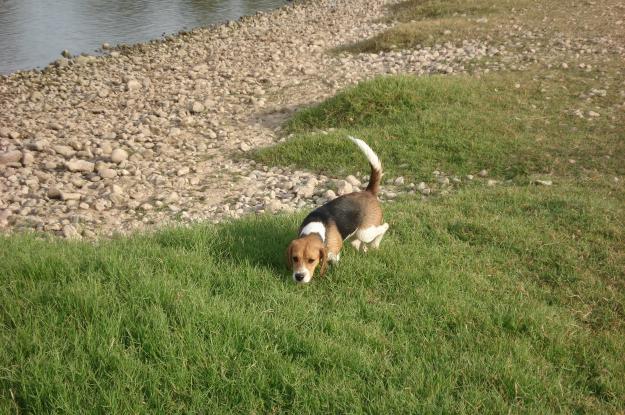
(342, 211)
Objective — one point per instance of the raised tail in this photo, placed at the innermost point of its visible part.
(374, 161)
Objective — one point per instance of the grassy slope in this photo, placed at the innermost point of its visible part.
(496, 299)
(461, 125)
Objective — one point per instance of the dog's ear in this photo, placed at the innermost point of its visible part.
(289, 256)
(323, 259)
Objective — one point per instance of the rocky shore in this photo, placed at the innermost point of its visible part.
(157, 133)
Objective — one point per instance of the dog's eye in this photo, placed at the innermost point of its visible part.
(310, 261)
(294, 259)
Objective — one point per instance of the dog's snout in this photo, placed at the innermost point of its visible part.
(299, 276)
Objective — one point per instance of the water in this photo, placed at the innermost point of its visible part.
(34, 32)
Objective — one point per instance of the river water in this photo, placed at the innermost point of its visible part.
(34, 32)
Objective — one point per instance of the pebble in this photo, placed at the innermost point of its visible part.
(10, 157)
(483, 173)
(133, 85)
(65, 151)
(80, 166)
(119, 155)
(274, 206)
(107, 173)
(353, 181)
(343, 187)
(543, 182)
(329, 194)
(70, 232)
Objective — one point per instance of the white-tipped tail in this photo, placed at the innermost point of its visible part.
(374, 161)
(371, 156)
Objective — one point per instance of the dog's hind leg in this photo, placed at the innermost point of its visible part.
(372, 235)
(376, 242)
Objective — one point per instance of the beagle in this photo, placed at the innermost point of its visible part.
(355, 216)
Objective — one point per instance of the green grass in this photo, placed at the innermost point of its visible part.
(460, 125)
(487, 301)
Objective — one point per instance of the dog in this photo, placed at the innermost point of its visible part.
(355, 216)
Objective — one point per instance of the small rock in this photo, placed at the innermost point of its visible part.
(444, 180)
(483, 173)
(469, 177)
(399, 181)
(172, 198)
(80, 166)
(70, 232)
(344, 187)
(329, 194)
(27, 159)
(305, 191)
(183, 170)
(70, 196)
(118, 155)
(244, 147)
(353, 180)
(196, 107)
(543, 182)
(65, 151)
(10, 157)
(491, 182)
(54, 193)
(133, 85)
(593, 114)
(107, 173)
(274, 206)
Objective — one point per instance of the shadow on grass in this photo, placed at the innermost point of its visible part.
(259, 242)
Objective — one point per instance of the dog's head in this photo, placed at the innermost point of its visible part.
(304, 255)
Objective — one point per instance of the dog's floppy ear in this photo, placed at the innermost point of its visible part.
(323, 259)
(289, 256)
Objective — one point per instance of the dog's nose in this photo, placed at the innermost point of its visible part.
(299, 276)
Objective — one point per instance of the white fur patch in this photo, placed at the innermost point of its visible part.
(371, 156)
(334, 258)
(314, 227)
(369, 234)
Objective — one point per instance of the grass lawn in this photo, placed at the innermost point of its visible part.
(492, 299)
